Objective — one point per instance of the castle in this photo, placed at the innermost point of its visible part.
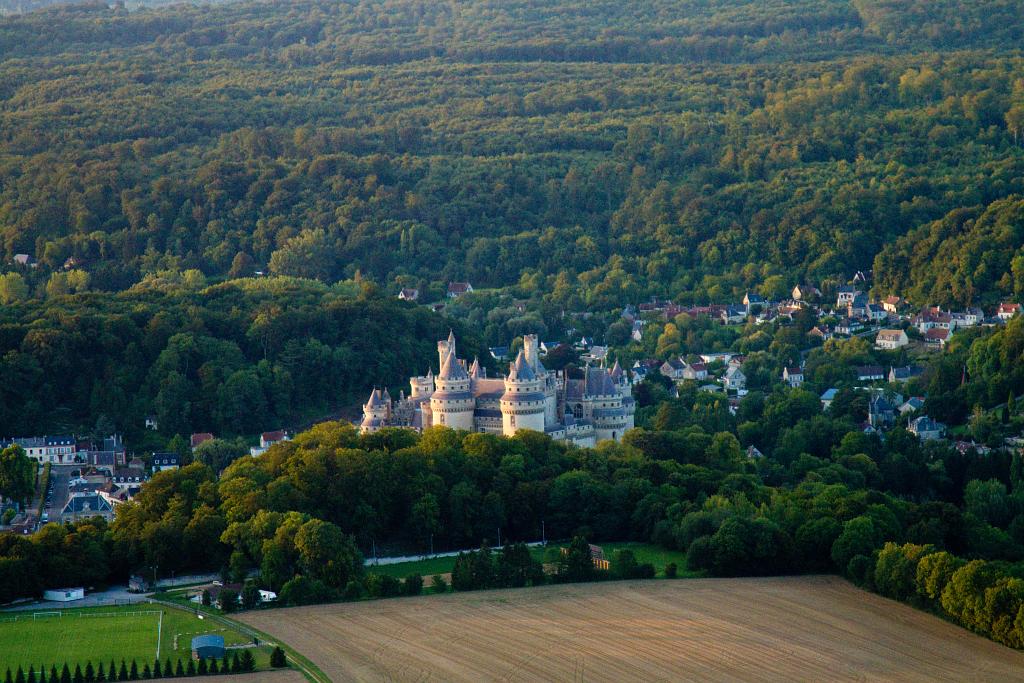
(584, 411)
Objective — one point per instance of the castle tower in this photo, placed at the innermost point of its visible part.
(452, 402)
(423, 386)
(445, 348)
(376, 412)
(523, 403)
(531, 349)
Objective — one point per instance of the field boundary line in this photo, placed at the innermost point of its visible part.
(159, 633)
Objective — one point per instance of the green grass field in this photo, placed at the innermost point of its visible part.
(645, 552)
(101, 634)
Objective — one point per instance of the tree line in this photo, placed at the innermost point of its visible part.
(235, 664)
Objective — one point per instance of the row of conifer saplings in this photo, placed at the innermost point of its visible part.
(236, 664)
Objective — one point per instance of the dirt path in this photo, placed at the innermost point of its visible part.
(774, 629)
(280, 676)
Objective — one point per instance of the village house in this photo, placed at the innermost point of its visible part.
(822, 332)
(85, 504)
(673, 368)
(845, 295)
(200, 438)
(794, 376)
(876, 314)
(1007, 311)
(166, 461)
(892, 304)
(733, 315)
(849, 326)
(891, 339)
(905, 373)
(408, 294)
(25, 261)
(937, 337)
(46, 449)
(151, 422)
(268, 439)
(881, 412)
(734, 379)
(857, 307)
(971, 317)
(870, 373)
(912, 404)
(926, 429)
(457, 289)
(640, 373)
(695, 372)
(932, 318)
(751, 300)
(827, 397)
(805, 293)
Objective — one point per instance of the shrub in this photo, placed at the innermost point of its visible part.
(439, 584)
(354, 590)
(671, 571)
(413, 584)
(247, 661)
(228, 601)
(861, 570)
(277, 658)
(383, 586)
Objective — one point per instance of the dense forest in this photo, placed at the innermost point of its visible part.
(239, 357)
(587, 153)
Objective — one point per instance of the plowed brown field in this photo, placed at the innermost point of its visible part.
(771, 629)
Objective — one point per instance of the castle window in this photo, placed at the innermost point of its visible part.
(512, 420)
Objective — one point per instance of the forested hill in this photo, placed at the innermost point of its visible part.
(240, 357)
(604, 150)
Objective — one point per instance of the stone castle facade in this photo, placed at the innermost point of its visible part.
(583, 411)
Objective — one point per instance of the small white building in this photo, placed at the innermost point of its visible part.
(891, 339)
(734, 379)
(794, 376)
(64, 594)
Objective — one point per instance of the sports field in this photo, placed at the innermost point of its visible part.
(765, 629)
(100, 634)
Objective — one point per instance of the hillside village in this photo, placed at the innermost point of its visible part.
(908, 336)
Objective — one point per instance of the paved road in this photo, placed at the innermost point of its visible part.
(372, 562)
(60, 475)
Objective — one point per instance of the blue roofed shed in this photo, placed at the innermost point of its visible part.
(207, 647)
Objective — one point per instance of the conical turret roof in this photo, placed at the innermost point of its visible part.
(520, 370)
(474, 369)
(375, 400)
(452, 369)
(616, 370)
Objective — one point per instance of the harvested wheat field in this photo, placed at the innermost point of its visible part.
(278, 676)
(771, 629)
